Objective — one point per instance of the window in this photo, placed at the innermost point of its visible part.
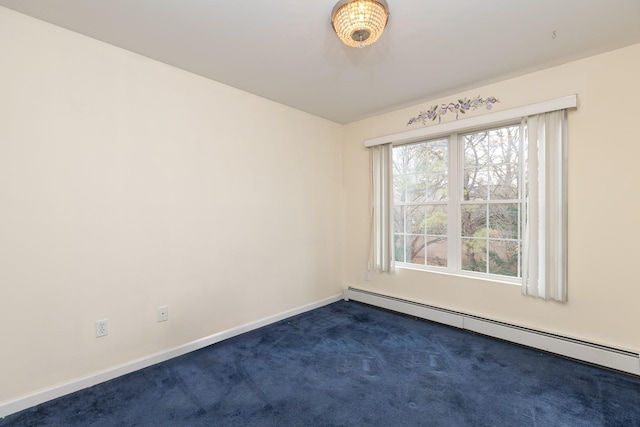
(458, 202)
(476, 202)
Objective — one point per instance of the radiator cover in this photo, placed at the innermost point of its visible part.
(609, 357)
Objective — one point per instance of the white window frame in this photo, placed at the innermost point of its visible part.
(455, 171)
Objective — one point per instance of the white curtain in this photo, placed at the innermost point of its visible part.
(544, 260)
(381, 216)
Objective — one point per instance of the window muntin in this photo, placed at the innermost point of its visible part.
(462, 215)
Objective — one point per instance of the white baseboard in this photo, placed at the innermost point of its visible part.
(609, 357)
(13, 406)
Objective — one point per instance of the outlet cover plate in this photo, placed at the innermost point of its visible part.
(102, 328)
(163, 313)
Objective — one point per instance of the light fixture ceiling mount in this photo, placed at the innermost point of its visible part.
(359, 23)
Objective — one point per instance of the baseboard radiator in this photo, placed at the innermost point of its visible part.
(609, 357)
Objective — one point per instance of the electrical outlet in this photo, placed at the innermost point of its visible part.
(163, 313)
(366, 276)
(102, 328)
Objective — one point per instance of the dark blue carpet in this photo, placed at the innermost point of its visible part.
(349, 364)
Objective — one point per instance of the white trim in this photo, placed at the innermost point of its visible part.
(570, 101)
(614, 358)
(493, 278)
(456, 158)
(25, 402)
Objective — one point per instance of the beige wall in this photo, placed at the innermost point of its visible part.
(604, 201)
(126, 184)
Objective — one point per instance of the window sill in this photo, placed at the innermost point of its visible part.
(485, 278)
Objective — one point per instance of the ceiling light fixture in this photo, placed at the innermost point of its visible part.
(359, 23)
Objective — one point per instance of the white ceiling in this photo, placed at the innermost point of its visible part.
(285, 50)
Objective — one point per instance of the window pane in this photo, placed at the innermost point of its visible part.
(474, 255)
(399, 167)
(473, 221)
(476, 184)
(399, 189)
(399, 247)
(503, 258)
(398, 219)
(415, 249)
(437, 155)
(416, 219)
(437, 251)
(504, 145)
(437, 186)
(416, 188)
(415, 158)
(437, 220)
(475, 150)
(503, 181)
(503, 220)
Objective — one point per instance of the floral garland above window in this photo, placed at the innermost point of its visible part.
(461, 107)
